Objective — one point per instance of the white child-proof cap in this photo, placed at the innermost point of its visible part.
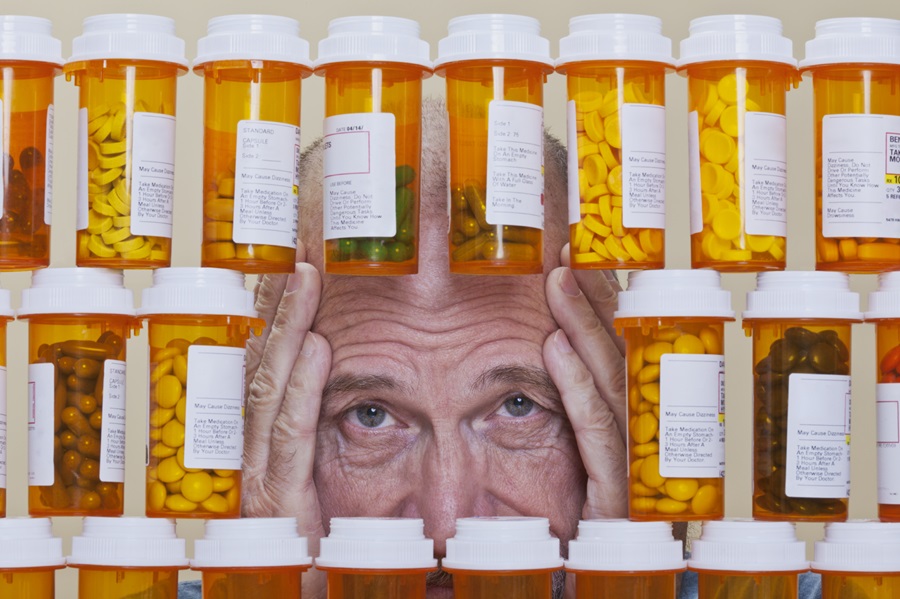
(494, 37)
(654, 293)
(502, 543)
(77, 291)
(29, 39)
(29, 543)
(854, 40)
(253, 37)
(129, 37)
(859, 546)
(377, 544)
(251, 543)
(884, 302)
(128, 542)
(374, 39)
(191, 290)
(748, 546)
(803, 294)
(625, 546)
(736, 37)
(615, 37)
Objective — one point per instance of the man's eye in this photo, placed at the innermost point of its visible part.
(372, 417)
(517, 406)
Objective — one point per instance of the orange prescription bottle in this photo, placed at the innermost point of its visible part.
(855, 68)
(612, 559)
(495, 66)
(501, 557)
(199, 320)
(373, 69)
(252, 557)
(673, 322)
(29, 557)
(6, 314)
(859, 559)
(252, 66)
(376, 558)
(741, 559)
(79, 319)
(800, 323)
(739, 69)
(125, 67)
(123, 558)
(615, 67)
(30, 59)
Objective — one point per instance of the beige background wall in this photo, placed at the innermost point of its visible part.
(191, 15)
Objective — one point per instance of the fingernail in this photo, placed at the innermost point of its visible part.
(567, 283)
(293, 282)
(309, 345)
(562, 342)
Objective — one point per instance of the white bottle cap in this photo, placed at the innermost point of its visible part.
(128, 542)
(615, 37)
(494, 37)
(859, 546)
(77, 291)
(803, 294)
(653, 293)
(736, 37)
(251, 543)
(6, 305)
(748, 546)
(854, 40)
(253, 37)
(29, 543)
(129, 37)
(29, 39)
(374, 39)
(885, 301)
(502, 543)
(191, 290)
(377, 544)
(625, 546)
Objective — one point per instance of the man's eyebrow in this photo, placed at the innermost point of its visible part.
(521, 377)
(348, 383)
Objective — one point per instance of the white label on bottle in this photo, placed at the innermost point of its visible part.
(112, 431)
(515, 164)
(152, 174)
(41, 394)
(572, 148)
(692, 416)
(765, 173)
(861, 175)
(266, 183)
(214, 414)
(887, 419)
(48, 167)
(359, 179)
(818, 436)
(694, 172)
(81, 212)
(2, 427)
(643, 132)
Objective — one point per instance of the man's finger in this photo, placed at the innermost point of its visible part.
(269, 290)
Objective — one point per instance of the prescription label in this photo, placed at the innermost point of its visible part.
(887, 436)
(643, 133)
(214, 413)
(515, 164)
(818, 436)
(2, 427)
(694, 173)
(692, 416)
(861, 175)
(359, 179)
(48, 166)
(765, 173)
(572, 149)
(112, 431)
(81, 199)
(266, 183)
(41, 392)
(152, 174)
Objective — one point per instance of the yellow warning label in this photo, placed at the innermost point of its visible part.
(892, 179)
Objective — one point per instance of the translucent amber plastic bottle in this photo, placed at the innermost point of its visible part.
(30, 60)
(800, 323)
(502, 557)
(855, 68)
(124, 558)
(79, 320)
(860, 560)
(673, 322)
(612, 559)
(495, 66)
(739, 69)
(261, 558)
(373, 69)
(252, 66)
(6, 314)
(199, 320)
(125, 67)
(615, 67)
(376, 558)
(29, 557)
(743, 559)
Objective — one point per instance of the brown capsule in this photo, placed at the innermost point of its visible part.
(89, 446)
(75, 420)
(801, 337)
(61, 396)
(113, 341)
(834, 339)
(86, 368)
(57, 450)
(98, 388)
(97, 420)
(66, 474)
(181, 345)
(85, 483)
(90, 469)
(85, 349)
(72, 459)
(68, 439)
(783, 355)
(55, 496)
(823, 357)
(66, 365)
(204, 341)
(91, 501)
(79, 384)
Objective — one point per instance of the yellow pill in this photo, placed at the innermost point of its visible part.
(681, 489)
(760, 243)
(169, 471)
(644, 428)
(643, 505)
(645, 449)
(173, 434)
(595, 192)
(777, 251)
(714, 179)
(610, 105)
(115, 236)
(634, 94)
(670, 506)
(225, 473)
(600, 250)
(197, 486)
(587, 101)
(233, 497)
(642, 490)
(219, 209)
(847, 248)
(709, 206)
(733, 163)
(110, 148)
(117, 128)
(608, 157)
(156, 496)
(650, 392)
(589, 258)
(226, 188)
(101, 190)
(180, 457)
(878, 251)
(631, 246)
(115, 161)
(614, 181)
(713, 247)
(168, 391)
(635, 468)
(737, 255)
(593, 126)
(654, 352)
(98, 223)
(828, 250)
(727, 224)
(648, 374)
(100, 249)
(218, 230)
(174, 487)
(644, 407)
(712, 117)
(705, 500)
(667, 334)
(586, 147)
(588, 209)
(179, 368)
(656, 412)
(688, 344)
(614, 247)
(717, 147)
(161, 416)
(118, 204)
(651, 241)
(650, 475)
(121, 221)
(605, 203)
(729, 121)
(222, 484)
(710, 339)
(710, 97)
(140, 253)
(101, 207)
(592, 224)
(102, 177)
(728, 89)
(221, 250)
(160, 450)
(617, 228)
(103, 131)
(129, 245)
(154, 433)
(595, 169)
(217, 504)
(612, 131)
(178, 503)
(95, 122)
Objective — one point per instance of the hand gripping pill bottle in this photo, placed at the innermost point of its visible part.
(854, 64)
(800, 323)
(199, 320)
(125, 558)
(373, 69)
(125, 67)
(739, 69)
(252, 66)
(79, 319)
(6, 315)
(29, 557)
(495, 67)
(612, 559)
(859, 559)
(615, 67)
(376, 558)
(251, 557)
(501, 557)
(30, 60)
(673, 322)
(742, 559)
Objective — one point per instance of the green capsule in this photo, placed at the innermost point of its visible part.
(405, 175)
(374, 250)
(405, 231)
(346, 248)
(398, 251)
(405, 199)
